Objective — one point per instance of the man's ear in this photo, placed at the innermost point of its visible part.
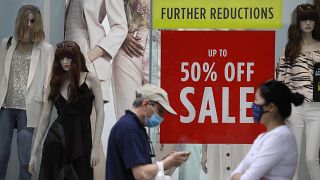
(145, 102)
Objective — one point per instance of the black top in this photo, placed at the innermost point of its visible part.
(67, 148)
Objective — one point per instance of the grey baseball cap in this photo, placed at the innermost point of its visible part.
(157, 94)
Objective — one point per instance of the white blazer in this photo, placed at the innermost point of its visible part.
(94, 12)
(40, 68)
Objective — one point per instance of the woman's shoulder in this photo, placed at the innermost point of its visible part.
(282, 133)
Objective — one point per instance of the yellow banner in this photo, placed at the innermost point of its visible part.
(216, 14)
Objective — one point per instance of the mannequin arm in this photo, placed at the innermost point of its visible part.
(204, 158)
(98, 103)
(279, 73)
(131, 46)
(41, 130)
(42, 126)
(114, 9)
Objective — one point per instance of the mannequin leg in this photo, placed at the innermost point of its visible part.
(313, 140)
(191, 169)
(128, 74)
(296, 124)
(224, 158)
(6, 132)
(24, 144)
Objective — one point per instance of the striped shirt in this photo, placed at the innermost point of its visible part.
(298, 75)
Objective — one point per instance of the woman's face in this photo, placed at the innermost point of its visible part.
(66, 63)
(307, 26)
(258, 98)
(30, 23)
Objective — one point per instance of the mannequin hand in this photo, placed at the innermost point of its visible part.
(204, 162)
(32, 164)
(95, 53)
(131, 46)
(94, 160)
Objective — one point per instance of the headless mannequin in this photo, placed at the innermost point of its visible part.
(94, 84)
(311, 48)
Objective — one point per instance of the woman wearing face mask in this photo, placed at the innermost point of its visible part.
(25, 65)
(68, 150)
(274, 154)
(295, 69)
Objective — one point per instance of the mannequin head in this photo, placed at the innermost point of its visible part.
(29, 27)
(307, 18)
(304, 19)
(68, 63)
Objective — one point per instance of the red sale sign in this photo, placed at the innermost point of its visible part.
(211, 78)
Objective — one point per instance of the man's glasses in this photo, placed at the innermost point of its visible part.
(68, 45)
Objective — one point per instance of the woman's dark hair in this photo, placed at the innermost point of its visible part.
(281, 96)
(70, 50)
(301, 13)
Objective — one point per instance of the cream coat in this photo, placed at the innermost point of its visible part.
(40, 67)
(94, 12)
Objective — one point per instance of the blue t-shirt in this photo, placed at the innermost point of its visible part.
(128, 146)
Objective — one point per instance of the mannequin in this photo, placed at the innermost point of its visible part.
(219, 160)
(68, 150)
(130, 69)
(296, 71)
(83, 25)
(25, 64)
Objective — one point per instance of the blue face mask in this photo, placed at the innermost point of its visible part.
(154, 120)
(257, 111)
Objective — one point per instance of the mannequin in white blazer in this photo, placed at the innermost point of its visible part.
(39, 72)
(25, 66)
(84, 26)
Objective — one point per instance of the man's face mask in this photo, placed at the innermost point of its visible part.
(154, 120)
(257, 111)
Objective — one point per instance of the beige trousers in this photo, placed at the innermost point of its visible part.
(128, 74)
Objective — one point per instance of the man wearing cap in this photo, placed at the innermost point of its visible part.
(129, 149)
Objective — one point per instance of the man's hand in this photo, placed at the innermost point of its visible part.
(131, 46)
(236, 176)
(175, 159)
